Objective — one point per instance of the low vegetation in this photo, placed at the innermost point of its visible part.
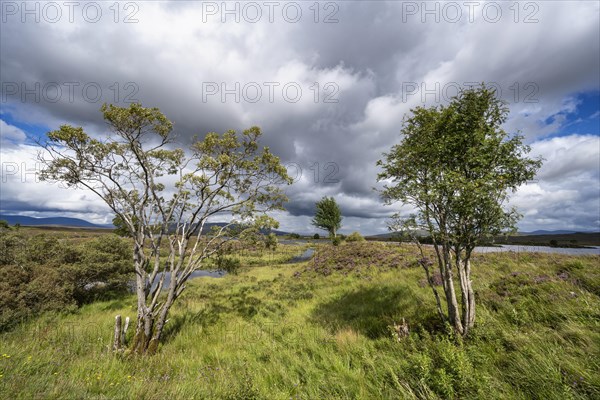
(42, 272)
(281, 331)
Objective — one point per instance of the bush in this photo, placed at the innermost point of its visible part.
(294, 236)
(228, 264)
(355, 237)
(316, 236)
(271, 242)
(336, 241)
(41, 273)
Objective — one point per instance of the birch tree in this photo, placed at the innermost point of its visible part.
(457, 166)
(164, 197)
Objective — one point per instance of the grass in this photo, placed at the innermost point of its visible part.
(282, 331)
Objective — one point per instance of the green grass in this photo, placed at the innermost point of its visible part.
(289, 331)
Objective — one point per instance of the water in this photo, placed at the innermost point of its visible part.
(195, 274)
(538, 249)
(308, 253)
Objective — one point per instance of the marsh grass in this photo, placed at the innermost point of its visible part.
(282, 331)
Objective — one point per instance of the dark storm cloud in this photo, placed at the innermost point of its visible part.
(369, 56)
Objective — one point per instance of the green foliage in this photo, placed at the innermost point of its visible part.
(228, 264)
(294, 236)
(458, 160)
(271, 242)
(316, 236)
(41, 273)
(328, 215)
(336, 240)
(355, 237)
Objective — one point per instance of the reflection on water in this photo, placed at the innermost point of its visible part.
(538, 249)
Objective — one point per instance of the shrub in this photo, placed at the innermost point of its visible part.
(228, 264)
(355, 237)
(271, 242)
(41, 273)
(316, 236)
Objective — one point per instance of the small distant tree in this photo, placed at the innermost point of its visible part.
(328, 216)
(456, 166)
(163, 197)
(316, 236)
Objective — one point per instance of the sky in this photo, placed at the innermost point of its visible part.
(329, 83)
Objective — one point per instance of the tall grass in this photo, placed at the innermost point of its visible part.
(289, 331)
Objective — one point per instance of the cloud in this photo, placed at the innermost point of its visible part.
(566, 194)
(10, 135)
(358, 78)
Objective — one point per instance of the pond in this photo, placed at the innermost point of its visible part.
(308, 253)
(167, 282)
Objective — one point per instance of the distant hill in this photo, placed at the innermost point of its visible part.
(52, 221)
(562, 239)
(79, 223)
(543, 232)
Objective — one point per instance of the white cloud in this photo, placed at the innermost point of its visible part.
(566, 194)
(10, 135)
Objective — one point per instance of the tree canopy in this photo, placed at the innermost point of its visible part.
(328, 216)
